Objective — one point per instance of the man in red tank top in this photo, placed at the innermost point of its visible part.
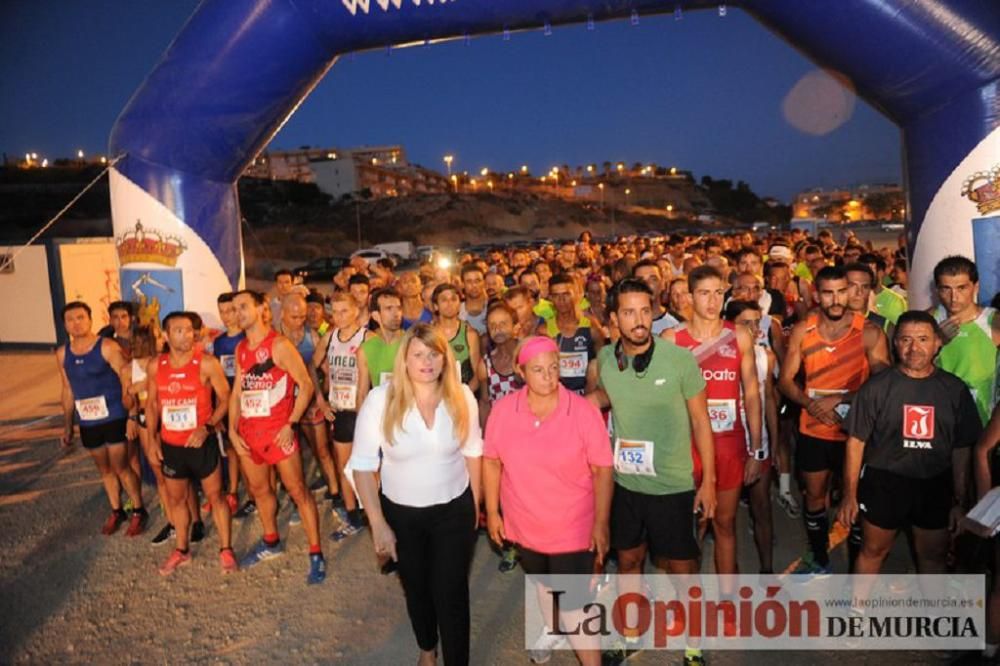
(182, 423)
(838, 350)
(725, 356)
(271, 392)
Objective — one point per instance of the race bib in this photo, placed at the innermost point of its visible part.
(384, 378)
(842, 409)
(179, 417)
(634, 457)
(255, 403)
(344, 397)
(228, 362)
(572, 364)
(92, 409)
(722, 413)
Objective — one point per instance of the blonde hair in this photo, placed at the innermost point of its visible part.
(400, 395)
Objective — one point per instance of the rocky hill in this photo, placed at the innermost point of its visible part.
(294, 222)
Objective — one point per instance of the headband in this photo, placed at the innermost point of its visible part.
(534, 346)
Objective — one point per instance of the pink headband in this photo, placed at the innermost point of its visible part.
(534, 346)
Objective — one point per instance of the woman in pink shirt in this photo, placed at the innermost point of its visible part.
(547, 460)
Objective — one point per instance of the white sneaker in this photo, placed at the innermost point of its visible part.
(787, 502)
(541, 651)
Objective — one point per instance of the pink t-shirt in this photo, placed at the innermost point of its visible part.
(547, 487)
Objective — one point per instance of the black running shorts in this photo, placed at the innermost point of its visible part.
(578, 590)
(818, 455)
(96, 436)
(343, 426)
(892, 501)
(665, 523)
(189, 463)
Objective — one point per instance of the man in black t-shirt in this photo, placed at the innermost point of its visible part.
(912, 427)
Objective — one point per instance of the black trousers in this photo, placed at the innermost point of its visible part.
(435, 545)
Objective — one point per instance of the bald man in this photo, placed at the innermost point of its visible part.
(313, 424)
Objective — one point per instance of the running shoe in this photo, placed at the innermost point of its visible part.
(620, 652)
(317, 569)
(694, 658)
(509, 557)
(227, 560)
(788, 503)
(249, 507)
(259, 553)
(232, 501)
(163, 535)
(197, 531)
(137, 523)
(319, 484)
(347, 529)
(541, 651)
(176, 559)
(810, 567)
(342, 515)
(113, 522)
(295, 518)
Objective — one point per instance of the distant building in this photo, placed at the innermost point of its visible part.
(865, 202)
(382, 171)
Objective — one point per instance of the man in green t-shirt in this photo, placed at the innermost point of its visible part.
(377, 354)
(657, 397)
(971, 332)
(888, 303)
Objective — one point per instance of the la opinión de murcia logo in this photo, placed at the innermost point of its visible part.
(983, 189)
(148, 246)
(354, 6)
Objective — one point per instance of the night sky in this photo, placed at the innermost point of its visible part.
(704, 93)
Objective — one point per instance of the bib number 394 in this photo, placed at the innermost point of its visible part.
(634, 457)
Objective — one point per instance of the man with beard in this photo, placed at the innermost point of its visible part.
(658, 407)
(838, 350)
(908, 452)
(182, 423)
(264, 410)
(473, 308)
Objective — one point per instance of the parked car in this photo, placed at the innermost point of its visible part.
(371, 255)
(321, 269)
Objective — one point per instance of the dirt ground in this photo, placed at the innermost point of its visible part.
(70, 595)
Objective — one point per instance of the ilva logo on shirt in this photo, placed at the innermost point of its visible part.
(918, 426)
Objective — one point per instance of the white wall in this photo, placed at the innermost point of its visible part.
(26, 299)
(336, 177)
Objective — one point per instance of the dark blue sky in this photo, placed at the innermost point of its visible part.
(704, 93)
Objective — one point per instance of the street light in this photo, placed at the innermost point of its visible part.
(448, 160)
(79, 154)
(484, 171)
(670, 208)
(454, 181)
(627, 192)
(600, 186)
(620, 166)
(524, 168)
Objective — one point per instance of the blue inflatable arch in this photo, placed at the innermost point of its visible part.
(238, 70)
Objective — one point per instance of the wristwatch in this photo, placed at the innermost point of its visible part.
(759, 455)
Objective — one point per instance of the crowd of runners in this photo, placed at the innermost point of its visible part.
(588, 405)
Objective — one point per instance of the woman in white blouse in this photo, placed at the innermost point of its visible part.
(425, 423)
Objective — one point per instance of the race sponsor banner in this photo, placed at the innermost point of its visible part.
(759, 612)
